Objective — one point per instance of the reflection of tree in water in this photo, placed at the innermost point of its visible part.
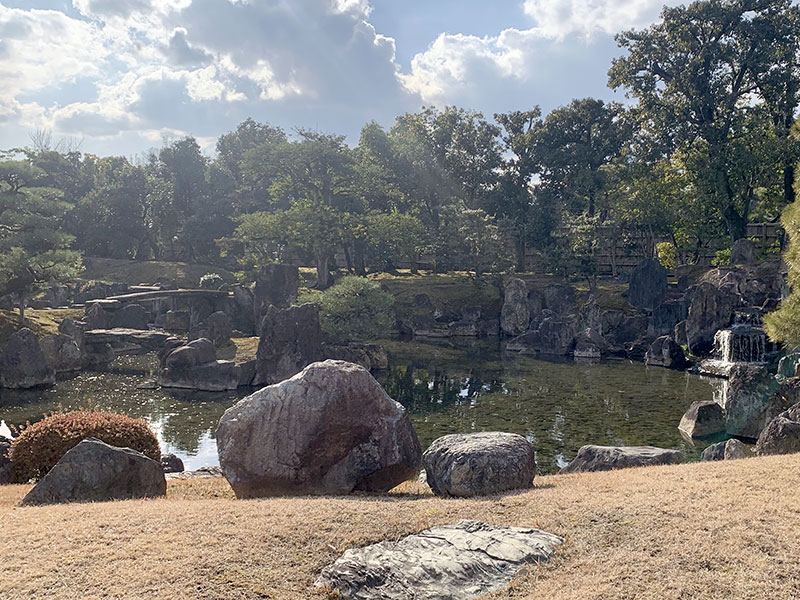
(186, 422)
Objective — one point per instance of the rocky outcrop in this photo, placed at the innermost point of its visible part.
(703, 418)
(331, 429)
(590, 344)
(559, 298)
(479, 464)
(177, 321)
(729, 450)
(607, 458)
(647, 284)
(93, 471)
(667, 314)
(751, 398)
(515, 316)
(782, 435)
(555, 337)
(23, 364)
(665, 352)
(277, 286)
(448, 562)
(95, 317)
(195, 367)
(711, 309)
(291, 339)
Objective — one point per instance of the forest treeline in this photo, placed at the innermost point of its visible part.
(706, 143)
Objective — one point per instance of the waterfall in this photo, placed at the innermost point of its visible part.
(741, 343)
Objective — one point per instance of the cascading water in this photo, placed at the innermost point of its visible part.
(739, 344)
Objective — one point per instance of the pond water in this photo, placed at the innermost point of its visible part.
(447, 387)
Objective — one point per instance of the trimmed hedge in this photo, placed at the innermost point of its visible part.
(41, 445)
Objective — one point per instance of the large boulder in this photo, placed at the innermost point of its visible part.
(703, 418)
(194, 366)
(291, 339)
(782, 435)
(62, 353)
(647, 284)
(606, 458)
(743, 252)
(132, 316)
(177, 321)
(515, 316)
(23, 364)
(220, 328)
(711, 309)
(668, 314)
(448, 562)
(589, 344)
(751, 398)
(277, 286)
(171, 464)
(93, 471)
(479, 464)
(665, 352)
(330, 429)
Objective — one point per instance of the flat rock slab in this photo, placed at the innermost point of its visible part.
(606, 458)
(450, 562)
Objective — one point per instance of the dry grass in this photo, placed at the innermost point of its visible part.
(708, 530)
(42, 322)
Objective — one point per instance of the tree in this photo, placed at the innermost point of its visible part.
(698, 75)
(356, 308)
(393, 237)
(34, 250)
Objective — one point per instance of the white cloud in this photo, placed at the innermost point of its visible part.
(559, 18)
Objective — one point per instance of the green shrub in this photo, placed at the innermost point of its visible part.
(355, 309)
(211, 281)
(667, 255)
(721, 258)
(41, 445)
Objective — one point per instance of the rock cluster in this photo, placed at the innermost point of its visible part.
(195, 366)
(23, 364)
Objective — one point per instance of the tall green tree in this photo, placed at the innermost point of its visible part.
(34, 249)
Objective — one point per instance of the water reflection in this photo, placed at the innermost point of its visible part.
(446, 387)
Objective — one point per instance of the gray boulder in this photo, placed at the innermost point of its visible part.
(171, 463)
(607, 458)
(647, 284)
(93, 471)
(62, 353)
(73, 329)
(448, 562)
(277, 286)
(711, 309)
(514, 315)
(589, 344)
(703, 418)
(331, 429)
(555, 336)
(177, 321)
(743, 252)
(132, 316)
(668, 314)
(195, 367)
(782, 435)
(731, 449)
(291, 339)
(220, 328)
(665, 352)
(479, 464)
(23, 364)
(95, 317)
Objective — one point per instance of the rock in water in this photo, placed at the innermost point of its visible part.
(330, 429)
(782, 435)
(648, 284)
(665, 352)
(291, 339)
(751, 398)
(731, 449)
(479, 464)
(449, 562)
(515, 316)
(703, 418)
(93, 471)
(23, 364)
(62, 353)
(606, 458)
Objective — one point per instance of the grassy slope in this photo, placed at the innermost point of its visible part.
(41, 322)
(134, 273)
(704, 530)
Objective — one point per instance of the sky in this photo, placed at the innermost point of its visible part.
(123, 76)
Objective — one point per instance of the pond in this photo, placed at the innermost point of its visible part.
(447, 387)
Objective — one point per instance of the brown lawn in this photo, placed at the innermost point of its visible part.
(709, 530)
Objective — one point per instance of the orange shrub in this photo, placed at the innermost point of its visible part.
(41, 445)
